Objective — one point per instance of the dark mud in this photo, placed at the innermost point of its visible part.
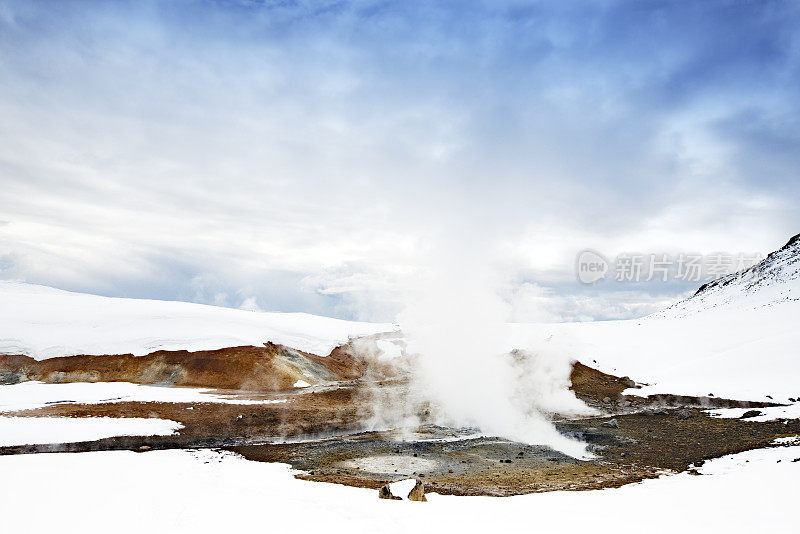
(319, 430)
(642, 446)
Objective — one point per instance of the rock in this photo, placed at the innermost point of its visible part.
(417, 492)
(750, 413)
(683, 413)
(9, 378)
(143, 448)
(610, 424)
(661, 411)
(648, 411)
(606, 400)
(627, 382)
(385, 493)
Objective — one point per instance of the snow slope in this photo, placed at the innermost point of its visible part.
(738, 337)
(736, 354)
(208, 491)
(774, 280)
(43, 322)
(43, 430)
(33, 395)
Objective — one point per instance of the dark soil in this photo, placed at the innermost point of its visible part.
(319, 430)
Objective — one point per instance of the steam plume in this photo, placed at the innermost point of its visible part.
(455, 323)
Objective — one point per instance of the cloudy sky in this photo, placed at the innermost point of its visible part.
(318, 156)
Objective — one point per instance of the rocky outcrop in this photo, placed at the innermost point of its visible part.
(268, 368)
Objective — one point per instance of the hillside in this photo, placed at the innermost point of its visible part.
(735, 337)
(42, 322)
(774, 280)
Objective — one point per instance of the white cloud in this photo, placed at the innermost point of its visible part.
(311, 159)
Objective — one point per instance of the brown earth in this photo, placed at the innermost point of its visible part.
(303, 414)
(643, 446)
(268, 368)
(594, 384)
(327, 422)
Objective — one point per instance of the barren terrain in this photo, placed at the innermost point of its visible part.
(320, 429)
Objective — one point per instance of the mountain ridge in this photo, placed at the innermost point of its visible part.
(772, 281)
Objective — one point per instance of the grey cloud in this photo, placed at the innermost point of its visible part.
(302, 154)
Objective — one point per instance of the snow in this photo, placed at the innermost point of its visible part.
(402, 488)
(768, 414)
(740, 353)
(737, 338)
(774, 280)
(301, 384)
(43, 322)
(32, 395)
(207, 491)
(43, 430)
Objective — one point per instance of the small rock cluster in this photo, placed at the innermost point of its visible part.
(417, 493)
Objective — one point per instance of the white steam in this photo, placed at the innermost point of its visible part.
(455, 323)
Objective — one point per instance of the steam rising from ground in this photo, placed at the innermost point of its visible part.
(455, 324)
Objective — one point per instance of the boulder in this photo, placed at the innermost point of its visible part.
(9, 378)
(627, 382)
(683, 413)
(612, 423)
(418, 492)
(750, 413)
(385, 493)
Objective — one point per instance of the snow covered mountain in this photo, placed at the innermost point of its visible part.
(43, 322)
(774, 280)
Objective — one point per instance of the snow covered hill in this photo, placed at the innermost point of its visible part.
(774, 280)
(737, 337)
(43, 322)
